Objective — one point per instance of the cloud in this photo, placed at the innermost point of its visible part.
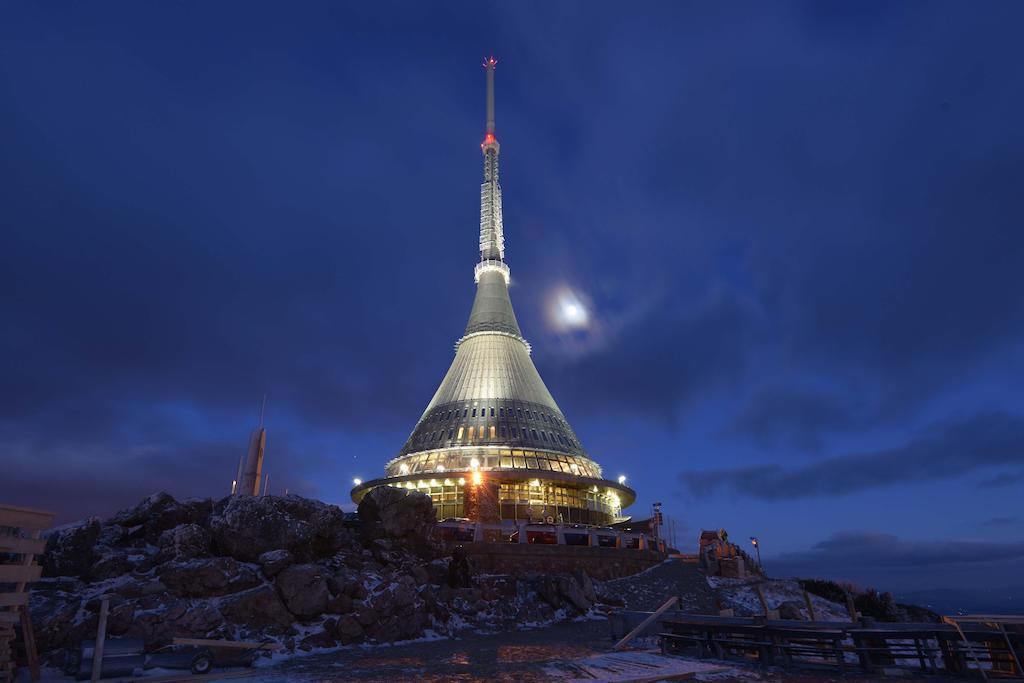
(1002, 479)
(1001, 521)
(665, 359)
(946, 449)
(889, 562)
(777, 415)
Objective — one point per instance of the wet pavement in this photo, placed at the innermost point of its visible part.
(509, 656)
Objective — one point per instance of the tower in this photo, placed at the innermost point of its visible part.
(492, 443)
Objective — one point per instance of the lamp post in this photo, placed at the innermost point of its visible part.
(757, 545)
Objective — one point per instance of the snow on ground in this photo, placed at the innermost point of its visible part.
(741, 595)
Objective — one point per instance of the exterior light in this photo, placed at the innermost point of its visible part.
(409, 485)
(357, 481)
(622, 478)
(593, 490)
(535, 482)
(440, 468)
(403, 468)
(447, 482)
(462, 482)
(476, 478)
(421, 484)
(474, 463)
(433, 482)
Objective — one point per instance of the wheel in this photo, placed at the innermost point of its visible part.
(202, 663)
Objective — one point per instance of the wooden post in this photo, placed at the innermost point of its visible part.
(28, 637)
(644, 624)
(764, 601)
(101, 636)
(810, 606)
(851, 608)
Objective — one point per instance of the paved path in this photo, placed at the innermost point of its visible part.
(648, 590)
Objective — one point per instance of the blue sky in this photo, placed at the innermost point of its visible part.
(798, 225)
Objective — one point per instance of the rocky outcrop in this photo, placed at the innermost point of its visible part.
(69, 549)
(389, 512)
(245, 527)
(279, 567)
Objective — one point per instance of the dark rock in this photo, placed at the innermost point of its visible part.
(110, 565)
(183, 542)
(349, 629)
(179, 619)
(207, 577)
(389, 512)
(245, 527)
(322, 638)
(791, 609)
(304, 589)
(571, 591)
(339, 604)
(160, 512)
(586, 585)
(367, 615)
(138, 589)
(274, 561)
(259, 608)
(69, 550)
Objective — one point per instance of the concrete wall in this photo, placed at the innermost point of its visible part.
(599, 563)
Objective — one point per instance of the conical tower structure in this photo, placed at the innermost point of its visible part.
(492, 443)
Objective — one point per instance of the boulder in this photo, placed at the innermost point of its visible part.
(348, 629)
(159, 512)
(183, 542)
(207, 577)
(245, 527)
(69, 550)
(273, 561)
(303, 588)
(339, 604)
(389, 512)
(586, 584)
(791, 609)
(573, 594)
(259, 608)
(110, 565)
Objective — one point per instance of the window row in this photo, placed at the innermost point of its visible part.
(445, 461)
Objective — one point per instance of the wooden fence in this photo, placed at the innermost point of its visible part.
(20, 541)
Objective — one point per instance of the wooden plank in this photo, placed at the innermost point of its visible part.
(645, 623)
(15, 544)
(228, 644)
(13, 599)
(13, 573)
(28, 637)
(25, 518)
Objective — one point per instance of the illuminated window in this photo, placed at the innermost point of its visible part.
(493, 430)
(460, 433)
(471, 433)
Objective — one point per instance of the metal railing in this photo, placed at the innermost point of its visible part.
(548, 534)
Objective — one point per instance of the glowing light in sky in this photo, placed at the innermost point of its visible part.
(568, 310)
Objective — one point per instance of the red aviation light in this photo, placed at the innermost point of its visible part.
(490, 62)
(489, 139)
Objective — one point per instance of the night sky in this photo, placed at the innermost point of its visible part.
(798, 230)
